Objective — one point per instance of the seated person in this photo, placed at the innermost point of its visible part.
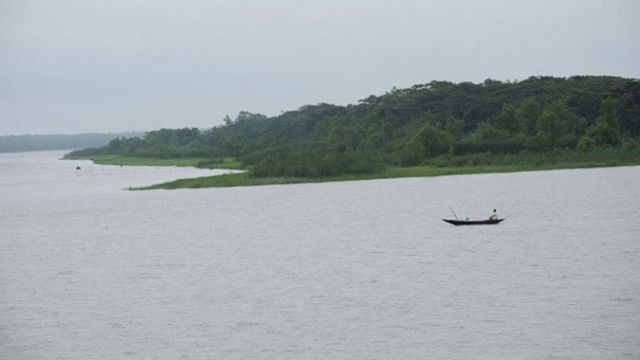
(494, 215)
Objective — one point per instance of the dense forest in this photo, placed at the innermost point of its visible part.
(439, 121)
(15, 143)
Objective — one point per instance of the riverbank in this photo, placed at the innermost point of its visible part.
(243, 179)
(454, 165)
(477, 164)
(201, 163)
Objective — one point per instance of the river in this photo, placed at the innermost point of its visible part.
(344, 270)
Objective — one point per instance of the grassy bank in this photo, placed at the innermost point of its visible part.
(244, 179)
(472, 164)
(144, 161)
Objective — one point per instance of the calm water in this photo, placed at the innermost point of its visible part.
(351, 270)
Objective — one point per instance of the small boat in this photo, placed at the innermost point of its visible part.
(473, 222)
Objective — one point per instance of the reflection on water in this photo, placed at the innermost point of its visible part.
(343, 270)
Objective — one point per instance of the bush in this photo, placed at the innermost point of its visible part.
(311, 162)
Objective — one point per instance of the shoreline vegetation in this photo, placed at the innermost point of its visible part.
(19, 143)
(465, 165)
(438, 128)
(200, 163)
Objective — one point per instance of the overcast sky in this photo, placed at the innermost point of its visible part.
(113, 65)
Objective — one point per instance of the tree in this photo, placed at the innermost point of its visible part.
(233, 144)
(507, 119)
(606, 130)
(455, 127)
(527, 115)
(413, 125)
(548, 128)
(609, 113)
(431, 142)
(487, 133)
(556, 126)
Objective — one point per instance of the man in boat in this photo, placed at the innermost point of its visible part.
(494, 215)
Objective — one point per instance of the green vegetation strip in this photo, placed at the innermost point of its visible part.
(145, 161)
(452, 128)
(500, 164)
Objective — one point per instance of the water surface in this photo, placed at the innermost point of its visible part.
(347, 270)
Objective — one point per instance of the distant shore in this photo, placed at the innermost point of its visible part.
(485, 163)
(146, 161)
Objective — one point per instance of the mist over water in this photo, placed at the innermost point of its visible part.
(346, 270)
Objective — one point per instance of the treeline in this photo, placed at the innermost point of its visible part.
(16, 143)
(413, 126)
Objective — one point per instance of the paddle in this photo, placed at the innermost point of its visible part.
(454, 214)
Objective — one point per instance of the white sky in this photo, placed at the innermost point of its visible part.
(115, 65)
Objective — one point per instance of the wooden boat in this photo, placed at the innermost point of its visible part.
(473, 222)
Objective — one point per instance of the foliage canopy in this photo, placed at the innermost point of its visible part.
(406, 127)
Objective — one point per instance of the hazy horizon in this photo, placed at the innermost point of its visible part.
(99, 67)
(124, 132)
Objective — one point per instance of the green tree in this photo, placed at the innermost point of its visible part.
(487, 133)
(455, 127)
(233, 144)
(507, 118)
(548, 128)
(430, 142)
(556, 126)
(605, 131)
(609, 113)
(527, 114)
